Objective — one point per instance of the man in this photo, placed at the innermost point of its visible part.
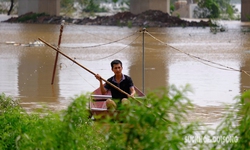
(120, 80)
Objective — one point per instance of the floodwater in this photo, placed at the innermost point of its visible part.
(170, 58)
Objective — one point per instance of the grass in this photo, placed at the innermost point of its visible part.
(160, 122)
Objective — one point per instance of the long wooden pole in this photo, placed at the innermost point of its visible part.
(57, 53)
(57, 49)
(143, 60)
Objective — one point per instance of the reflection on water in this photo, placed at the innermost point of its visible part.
(26, 72)
(34, 69)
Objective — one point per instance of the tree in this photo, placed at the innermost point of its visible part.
(215, 9)
(90, 5)
(11, 6)
(227, 8)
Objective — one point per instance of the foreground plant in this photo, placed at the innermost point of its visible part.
(159, 122)
(11, 116)
(70, 129)
(235, 125)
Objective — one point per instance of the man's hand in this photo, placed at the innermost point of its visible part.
(98, 77)
(103, 90)
(132, 90)
(131, 96)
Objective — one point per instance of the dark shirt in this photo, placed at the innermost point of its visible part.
(125, 84)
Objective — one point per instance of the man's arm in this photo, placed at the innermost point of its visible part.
(103, 90)
(132, 88)
(132, 91)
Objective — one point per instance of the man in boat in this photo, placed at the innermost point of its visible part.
(120, 80)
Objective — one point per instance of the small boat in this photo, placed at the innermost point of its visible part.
(97, 105)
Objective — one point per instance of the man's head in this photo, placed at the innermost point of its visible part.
(116, 66)
(115, 62)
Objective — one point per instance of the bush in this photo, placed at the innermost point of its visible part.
(158, 121)
(70, 129)
(12, 123)
(236, 125)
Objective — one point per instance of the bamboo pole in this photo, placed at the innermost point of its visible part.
(143, 60)
(57, 53)
(57, 49)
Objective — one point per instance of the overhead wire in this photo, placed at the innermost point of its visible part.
(103, 44)
(204, 61)
(102, 37)
(86, 80)
(118, 50)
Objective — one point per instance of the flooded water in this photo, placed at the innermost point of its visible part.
(26, 71)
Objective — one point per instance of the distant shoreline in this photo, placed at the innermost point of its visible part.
(4, 17)
(150, 18)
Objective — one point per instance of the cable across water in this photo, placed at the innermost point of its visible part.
(103, 44)
(204, 61)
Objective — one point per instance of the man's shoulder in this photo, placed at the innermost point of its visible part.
(127, 77)
(110, 79)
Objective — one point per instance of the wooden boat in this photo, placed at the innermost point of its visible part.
(97, 104)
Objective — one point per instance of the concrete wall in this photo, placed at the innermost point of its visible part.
(245, 10)
(51, 7)
(139, 6)
(184, 10)
(191, 10)
(25, 6)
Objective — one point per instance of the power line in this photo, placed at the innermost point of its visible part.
(204, 61)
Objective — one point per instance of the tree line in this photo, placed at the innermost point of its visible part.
(205, 9)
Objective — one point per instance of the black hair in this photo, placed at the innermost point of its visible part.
(114, 62)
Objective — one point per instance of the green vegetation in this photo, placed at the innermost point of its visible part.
(215, 9)
(8, 6)
(160, 122)
(172, 9)
(129, 24)
(236, 123)
(88, 6)
(248, 17)
(216, 27)
(70, 129)
(93, 7)
(157, 124)
(31, 17)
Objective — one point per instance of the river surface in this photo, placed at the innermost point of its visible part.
(26, 71)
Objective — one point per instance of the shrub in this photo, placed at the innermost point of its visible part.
(236, 125)
(12, 123)
(70, 129)
(158, 121)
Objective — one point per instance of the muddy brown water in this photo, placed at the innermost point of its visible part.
(26, 71)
